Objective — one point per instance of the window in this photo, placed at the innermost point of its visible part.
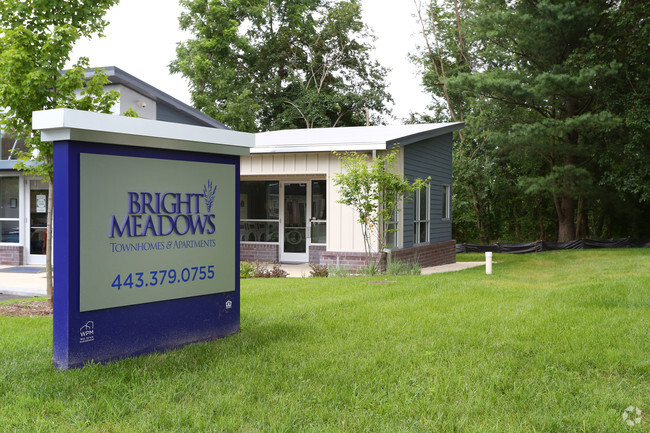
(318, 211)
(9, 147)
(9, 210)
(421, 216)
(446, 202)
(259, 205)
(392, 226)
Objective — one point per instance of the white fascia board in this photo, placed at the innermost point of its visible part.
(350, 139)
(66, 124)
(338, 147)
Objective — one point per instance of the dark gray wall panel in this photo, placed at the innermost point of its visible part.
(432, 158)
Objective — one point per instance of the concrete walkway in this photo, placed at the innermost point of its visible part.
(33, 284)
(303, 269)
(458, 266)
(22, 283)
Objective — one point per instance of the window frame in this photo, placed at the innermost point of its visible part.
(19, 204)
(417, 222)
(393, 224)
(255, 223)
(446, 202)
(312, 218)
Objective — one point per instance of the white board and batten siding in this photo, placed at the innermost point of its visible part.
(343, 232)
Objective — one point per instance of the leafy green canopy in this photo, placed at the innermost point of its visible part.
(555, 94)
(279, 64)
(36, 37)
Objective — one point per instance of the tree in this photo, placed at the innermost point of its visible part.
(374, 191)
(539, 58)
(623, 166)
(445, 53)
(36, 38)
(546, 85)
(279, 64)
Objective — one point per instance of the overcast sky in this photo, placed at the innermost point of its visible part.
(142, 35)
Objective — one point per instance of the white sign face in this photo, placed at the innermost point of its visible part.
(154, 230)
(41, 203)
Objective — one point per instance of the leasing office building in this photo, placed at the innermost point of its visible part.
(288, 204)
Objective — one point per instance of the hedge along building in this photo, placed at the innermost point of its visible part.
(289, 204)
(23, 199)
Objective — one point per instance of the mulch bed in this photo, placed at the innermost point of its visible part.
(26, 308)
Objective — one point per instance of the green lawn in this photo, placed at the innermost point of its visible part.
(551, 342)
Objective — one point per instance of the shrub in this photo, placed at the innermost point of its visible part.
(261, 271)
(337, 271)
(370, 269)
(246, 269)
(318, 270)
(397, 267)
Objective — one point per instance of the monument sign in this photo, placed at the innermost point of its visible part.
(146, 245)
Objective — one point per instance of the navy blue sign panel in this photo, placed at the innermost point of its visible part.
(146, 250)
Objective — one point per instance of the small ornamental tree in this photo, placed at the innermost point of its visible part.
(374, 190)
(36, 38)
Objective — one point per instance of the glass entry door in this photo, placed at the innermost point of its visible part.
(37, 234)
(294, 236)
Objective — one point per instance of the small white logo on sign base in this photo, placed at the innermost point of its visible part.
(87, 332)
(228, 305)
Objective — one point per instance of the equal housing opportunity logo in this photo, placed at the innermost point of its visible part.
(166, 213)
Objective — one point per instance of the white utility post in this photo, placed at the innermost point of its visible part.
(488, 262)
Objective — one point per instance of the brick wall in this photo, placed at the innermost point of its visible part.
(433, 254)
(347, 260)
(258, 252)
(11, 255)
(315, 252)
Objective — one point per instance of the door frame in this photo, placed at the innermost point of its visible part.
(295, 257)
(31, 259)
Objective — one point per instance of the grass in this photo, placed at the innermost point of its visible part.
(551, 342)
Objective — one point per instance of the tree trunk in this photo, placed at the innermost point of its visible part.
(477, 212)
(567, 203)
(540, 221)
(48, 247)
(565, 217)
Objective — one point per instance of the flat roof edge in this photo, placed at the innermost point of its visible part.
(419, 136)
(67, 124)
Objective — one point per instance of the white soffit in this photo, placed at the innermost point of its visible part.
(66, 124)
(357, 138)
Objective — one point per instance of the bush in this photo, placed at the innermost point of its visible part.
(260, 270)
(246, 269)
(318, 270)
(370, 269)
(337, 271)
(397, 267)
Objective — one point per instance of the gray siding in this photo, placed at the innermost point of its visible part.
(426, 158)
(168, 114)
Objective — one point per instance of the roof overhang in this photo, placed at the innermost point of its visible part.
(7, 164)
(349, 139)
(65, 124)
(118, 76)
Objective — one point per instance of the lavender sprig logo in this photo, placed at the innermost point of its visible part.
(208, 194)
